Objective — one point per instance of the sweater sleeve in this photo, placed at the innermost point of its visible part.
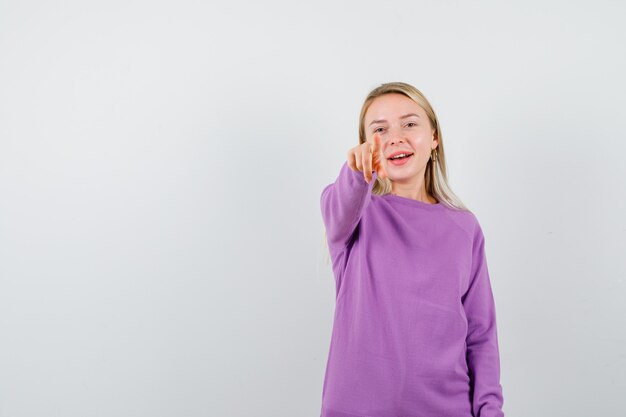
(483, 357)
(343, 203)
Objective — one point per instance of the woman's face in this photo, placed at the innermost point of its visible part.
(402, 126)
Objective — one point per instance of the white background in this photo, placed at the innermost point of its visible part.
(161, 163)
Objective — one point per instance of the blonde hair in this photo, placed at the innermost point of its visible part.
(435, 175)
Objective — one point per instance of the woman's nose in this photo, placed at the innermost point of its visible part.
(395, 135)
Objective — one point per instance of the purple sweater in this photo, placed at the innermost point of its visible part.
(414, 331)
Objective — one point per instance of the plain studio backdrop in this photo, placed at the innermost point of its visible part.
(161, 165)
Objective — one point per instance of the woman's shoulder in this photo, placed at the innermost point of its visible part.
(464, 218)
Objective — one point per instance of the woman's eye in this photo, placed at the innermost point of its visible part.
(376, 130)
(412, 123)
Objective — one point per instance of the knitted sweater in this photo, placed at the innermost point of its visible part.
(414, 330)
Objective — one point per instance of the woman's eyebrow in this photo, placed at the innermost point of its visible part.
(401, 117)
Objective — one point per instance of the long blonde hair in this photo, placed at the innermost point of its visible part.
(435, 176)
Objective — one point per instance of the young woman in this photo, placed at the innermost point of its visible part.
(414, 331)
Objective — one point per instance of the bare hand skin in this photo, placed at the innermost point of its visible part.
(367, 157)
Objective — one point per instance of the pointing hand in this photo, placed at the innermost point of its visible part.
(368, 158)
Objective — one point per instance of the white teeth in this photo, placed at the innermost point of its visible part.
(400, 155)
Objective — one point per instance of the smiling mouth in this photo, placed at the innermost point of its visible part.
(399, 159)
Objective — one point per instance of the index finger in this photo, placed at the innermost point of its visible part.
(376, 143)
(380, 168)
